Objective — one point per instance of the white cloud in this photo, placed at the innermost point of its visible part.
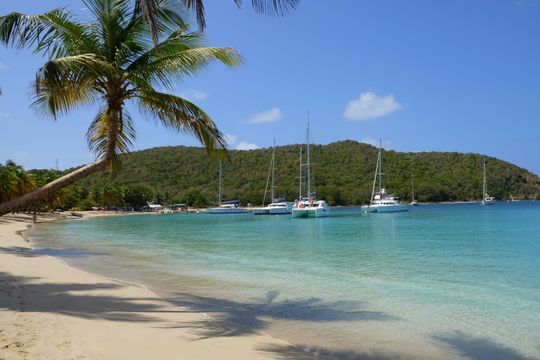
(244, 145)
(193, 95)
(369, 106)
(269, 116)
(231, 139)
(4, 114)
(3, 66)
(386, 144)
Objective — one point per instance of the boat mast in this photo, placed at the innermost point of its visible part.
(300, 178)
(273, 169)
(219, 183)
(307, 154)
(484, 187)
(267, 182)
(375, 177)
(379, 166)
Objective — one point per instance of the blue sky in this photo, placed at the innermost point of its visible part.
(422, 75)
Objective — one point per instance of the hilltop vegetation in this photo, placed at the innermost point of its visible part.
(342, 173)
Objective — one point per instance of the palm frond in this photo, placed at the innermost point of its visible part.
(65, 83)
(198, 7)
(272, 7)
(148, 8)
(175, 61)
(183, 116)
(53, 33)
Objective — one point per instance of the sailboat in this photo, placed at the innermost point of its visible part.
(486, 199)
(225, 206)
(413, 200)
(308, 206)
(277, 206)
(381, 201)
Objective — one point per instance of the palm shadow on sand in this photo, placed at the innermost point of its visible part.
(231, 318)
(478, 348)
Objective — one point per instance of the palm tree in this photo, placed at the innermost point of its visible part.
(150, 9)
(14, 181)
(112, 60)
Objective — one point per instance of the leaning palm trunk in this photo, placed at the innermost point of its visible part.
(46, 191)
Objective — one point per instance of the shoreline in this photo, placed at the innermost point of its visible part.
(54, 310)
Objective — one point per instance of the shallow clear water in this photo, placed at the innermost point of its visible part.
(440, 281)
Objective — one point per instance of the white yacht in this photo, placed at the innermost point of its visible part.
(486, 199)
(311, 208)
(277, 206)
(308, 207)
(225, 206)
(381, 201)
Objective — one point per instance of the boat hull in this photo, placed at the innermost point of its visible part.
(261, 211)
(279, 211)
(223, 211)
(310, 213)
(368, 209)
(385, 209)
(270, 210)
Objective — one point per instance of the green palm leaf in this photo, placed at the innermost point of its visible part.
(183, 116)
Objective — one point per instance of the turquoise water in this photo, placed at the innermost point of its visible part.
(441, 281)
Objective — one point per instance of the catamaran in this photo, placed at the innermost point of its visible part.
(225, 206)
(277, 206)
(308, 206)
(381, 201)
(486, 199)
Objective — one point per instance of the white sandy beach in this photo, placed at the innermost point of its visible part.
(49, 310)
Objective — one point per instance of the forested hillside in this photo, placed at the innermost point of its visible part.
(342, 174)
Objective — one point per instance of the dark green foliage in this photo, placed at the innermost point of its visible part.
(342, 174)
(14, 181)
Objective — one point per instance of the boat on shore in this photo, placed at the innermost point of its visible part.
(225, 206)
(277, 206)
(382, 201)
(486, 199)
(308, 206)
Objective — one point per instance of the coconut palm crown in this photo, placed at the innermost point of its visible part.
(112, 60)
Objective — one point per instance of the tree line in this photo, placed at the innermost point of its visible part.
(342, 174)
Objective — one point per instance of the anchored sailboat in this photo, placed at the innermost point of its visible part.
(277, 206)
(308, 206)
(381, 201)
(486, 199)
(225, 206)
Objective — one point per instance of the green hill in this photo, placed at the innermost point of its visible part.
(342, 171)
